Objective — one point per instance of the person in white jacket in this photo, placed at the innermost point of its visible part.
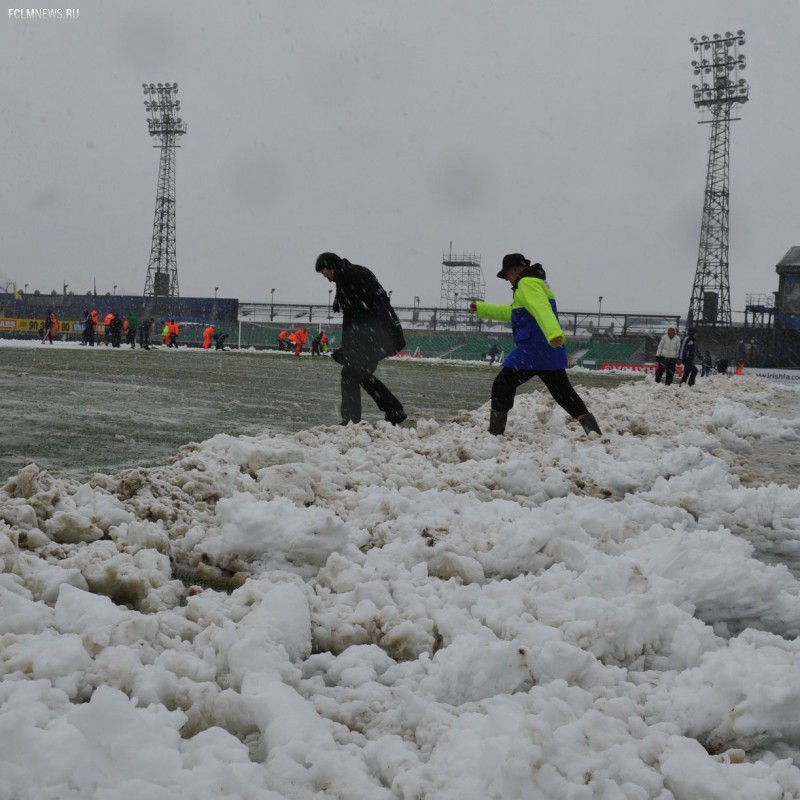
(667, 356)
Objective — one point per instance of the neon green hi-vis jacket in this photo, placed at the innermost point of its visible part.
(534, 321)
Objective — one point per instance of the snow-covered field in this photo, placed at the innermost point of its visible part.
(416, 613)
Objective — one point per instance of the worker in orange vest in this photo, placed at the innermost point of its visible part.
(208, 335)
(740, 367)
(283, 339)
(299, 337)
(50, 326)
(107, 327)
(174, 332)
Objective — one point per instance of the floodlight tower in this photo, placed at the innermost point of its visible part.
(161, 105)
(720, 90)
(462, 280)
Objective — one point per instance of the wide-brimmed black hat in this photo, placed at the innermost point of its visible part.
(512, 260)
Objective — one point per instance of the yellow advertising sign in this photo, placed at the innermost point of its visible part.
(8, 325)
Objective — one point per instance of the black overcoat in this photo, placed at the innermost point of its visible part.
(370, 328)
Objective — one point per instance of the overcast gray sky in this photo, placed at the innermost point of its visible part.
(385, 130)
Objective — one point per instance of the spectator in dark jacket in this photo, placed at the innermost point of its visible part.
(371, 331)
(87, 337)
(115, 330)
(144, 333)
(706, 364)
(687, 354)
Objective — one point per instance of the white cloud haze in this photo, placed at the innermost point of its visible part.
(384, 131)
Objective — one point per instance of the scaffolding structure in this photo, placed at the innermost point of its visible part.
(758, 330)
(462, 280)
(166, 127)
(719, 92)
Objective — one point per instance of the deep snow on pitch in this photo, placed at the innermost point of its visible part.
(376, 612)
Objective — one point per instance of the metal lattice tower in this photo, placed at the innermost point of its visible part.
(161, 105)
(720, 90)
(462, 280)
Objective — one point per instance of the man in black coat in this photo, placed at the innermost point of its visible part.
(371, 331)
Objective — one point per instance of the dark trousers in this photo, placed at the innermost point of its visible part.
(508, 381)
(666, 365)
(689, 372)
(357, 374)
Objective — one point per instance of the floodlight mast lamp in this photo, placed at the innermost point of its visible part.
(165, 126)
(720, 91)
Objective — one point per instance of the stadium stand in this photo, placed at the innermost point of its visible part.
(608, 352)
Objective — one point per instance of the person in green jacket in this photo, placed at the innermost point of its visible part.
(540, 344)
(131, 324)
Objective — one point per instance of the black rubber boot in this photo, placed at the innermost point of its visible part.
(497, 422)
(589, 424)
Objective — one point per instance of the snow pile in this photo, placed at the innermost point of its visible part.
(378, 612)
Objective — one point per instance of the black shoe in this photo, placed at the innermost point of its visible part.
(497, 422)
(396, 417)
(589, 424)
